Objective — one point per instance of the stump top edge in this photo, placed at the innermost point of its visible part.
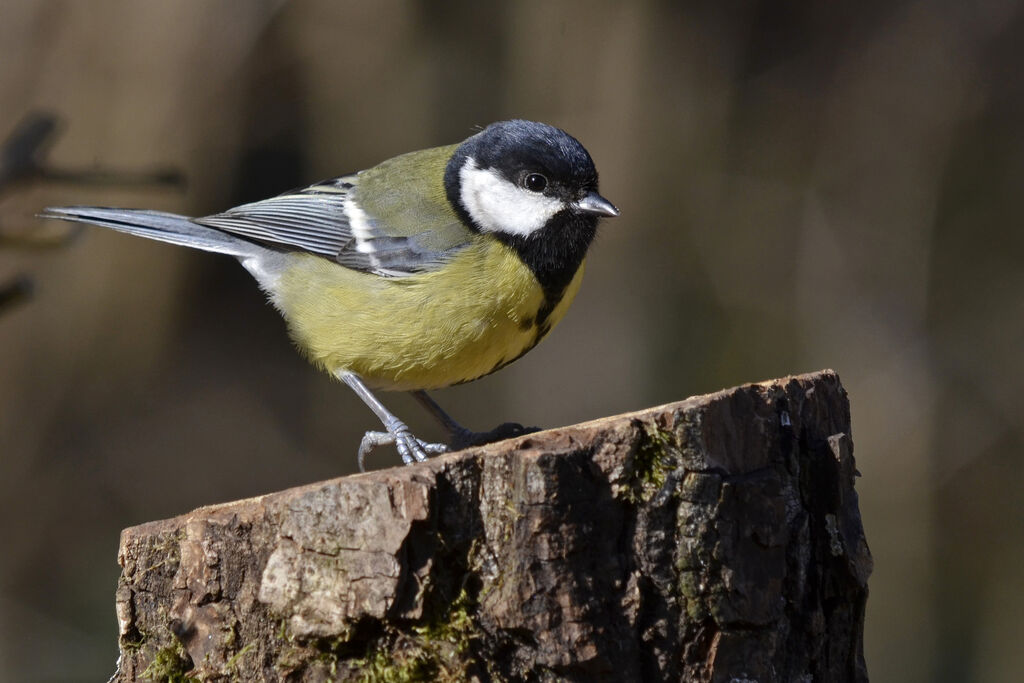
(825, 378)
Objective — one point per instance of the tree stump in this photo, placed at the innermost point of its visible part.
(714, 539)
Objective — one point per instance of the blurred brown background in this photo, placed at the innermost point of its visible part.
(802, 185)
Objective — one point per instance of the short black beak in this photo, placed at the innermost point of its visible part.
(597, 205)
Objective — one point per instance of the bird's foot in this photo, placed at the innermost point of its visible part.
(411, 449)
(464, 438)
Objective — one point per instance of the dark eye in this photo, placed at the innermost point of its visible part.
(535, 182)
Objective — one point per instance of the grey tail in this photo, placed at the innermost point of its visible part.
(157, 225)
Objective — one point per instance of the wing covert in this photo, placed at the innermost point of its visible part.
(325, 219)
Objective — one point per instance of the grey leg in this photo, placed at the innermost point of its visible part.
(450, 425)
(459, 437)
(409, 447)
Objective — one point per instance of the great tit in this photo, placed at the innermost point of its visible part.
(433, 268)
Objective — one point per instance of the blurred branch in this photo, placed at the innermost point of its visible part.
(15, 291)
(23, 161)
(24, 148)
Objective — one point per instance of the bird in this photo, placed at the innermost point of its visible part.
(431, 269)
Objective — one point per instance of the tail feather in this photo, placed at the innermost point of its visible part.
(157, 225)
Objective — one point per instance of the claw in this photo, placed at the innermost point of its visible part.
(370, 441)
(411, 449)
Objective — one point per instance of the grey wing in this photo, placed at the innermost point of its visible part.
(324, 219)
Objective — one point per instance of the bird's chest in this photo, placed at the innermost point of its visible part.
(479, 312)
(476, 316)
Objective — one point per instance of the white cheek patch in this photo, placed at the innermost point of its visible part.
(497, 205)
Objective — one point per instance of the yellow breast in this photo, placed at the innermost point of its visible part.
(424, 331)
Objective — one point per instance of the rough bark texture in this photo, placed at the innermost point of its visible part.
(715, 539)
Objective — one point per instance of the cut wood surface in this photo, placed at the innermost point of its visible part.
(714, 539)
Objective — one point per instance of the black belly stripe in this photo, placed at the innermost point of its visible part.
(554, 255)
(541, 326)
(542, 321)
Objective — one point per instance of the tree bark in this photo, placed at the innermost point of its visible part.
(714, 539)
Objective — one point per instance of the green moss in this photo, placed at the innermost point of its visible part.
(689, 584)
(233, 662)
(382, 667)
(168, 550)
(133, 645)
(170, 664)
(291, 659)
(436, 651)
(696, 610)
(330, 663)
(456, 626)
(655, 457)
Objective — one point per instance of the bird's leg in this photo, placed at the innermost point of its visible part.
(451, 427)
(409, 447)
(459, 437)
